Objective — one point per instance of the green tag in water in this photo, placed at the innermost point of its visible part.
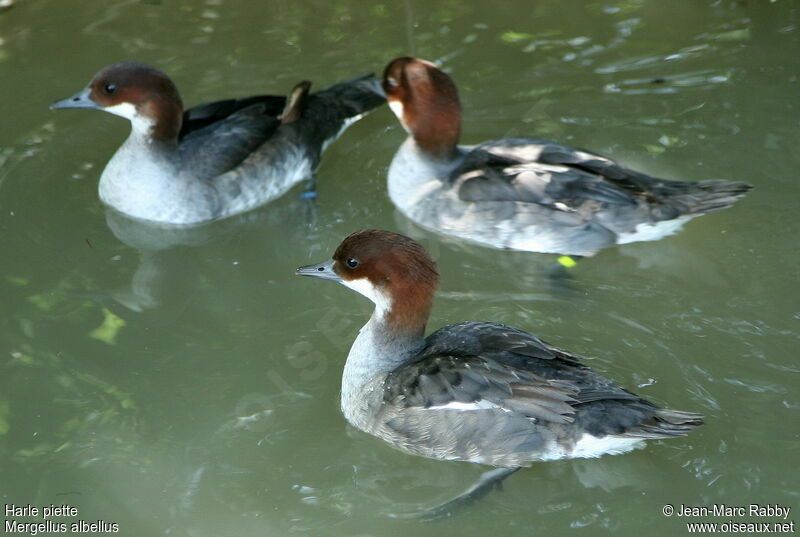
(566, 261)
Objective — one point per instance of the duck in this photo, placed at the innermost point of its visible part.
(218, 159)
(477, 391)
(524, 193)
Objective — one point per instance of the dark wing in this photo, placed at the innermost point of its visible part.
(489, 365)
(666, 198)
(220, 135)
(216, 137)
(568, 179)
(471, 363)
(538, 171)
(442, 380)
(624, 178)
(205, 114)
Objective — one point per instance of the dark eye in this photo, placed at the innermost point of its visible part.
(110, 88)
(391, 82)
(352, 263)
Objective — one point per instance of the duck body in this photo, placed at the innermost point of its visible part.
(217, 159)
(492, 394)
(479, 392)
(524, 193)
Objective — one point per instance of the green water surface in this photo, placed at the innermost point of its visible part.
(186, 384)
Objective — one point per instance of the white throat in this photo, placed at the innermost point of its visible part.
(140, 124)
(382, 300)
(374, 354)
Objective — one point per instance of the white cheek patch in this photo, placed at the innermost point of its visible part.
(363, 286)
(139, 122)
(126, 110)
(397, 108)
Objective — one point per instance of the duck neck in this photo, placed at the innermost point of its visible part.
(160, 131)
(437, 139)
(437, 154)
(378, 350)
(387, 341)
(435, 123)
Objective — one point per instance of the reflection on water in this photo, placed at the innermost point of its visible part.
(168, 253)
(181, 382)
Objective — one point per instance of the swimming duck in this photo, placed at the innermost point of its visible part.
(479, 392)
(524, 193)
(216, 159)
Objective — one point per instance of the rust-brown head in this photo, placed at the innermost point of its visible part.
(425, 100)
(392, 270)
(136, 91)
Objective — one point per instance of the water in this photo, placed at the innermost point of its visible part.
(187, 384)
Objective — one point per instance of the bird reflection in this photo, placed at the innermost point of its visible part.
(169, 255)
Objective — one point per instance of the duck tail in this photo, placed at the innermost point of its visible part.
(353, 98)
(665, 423)
(335, 108)
(701, 197)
